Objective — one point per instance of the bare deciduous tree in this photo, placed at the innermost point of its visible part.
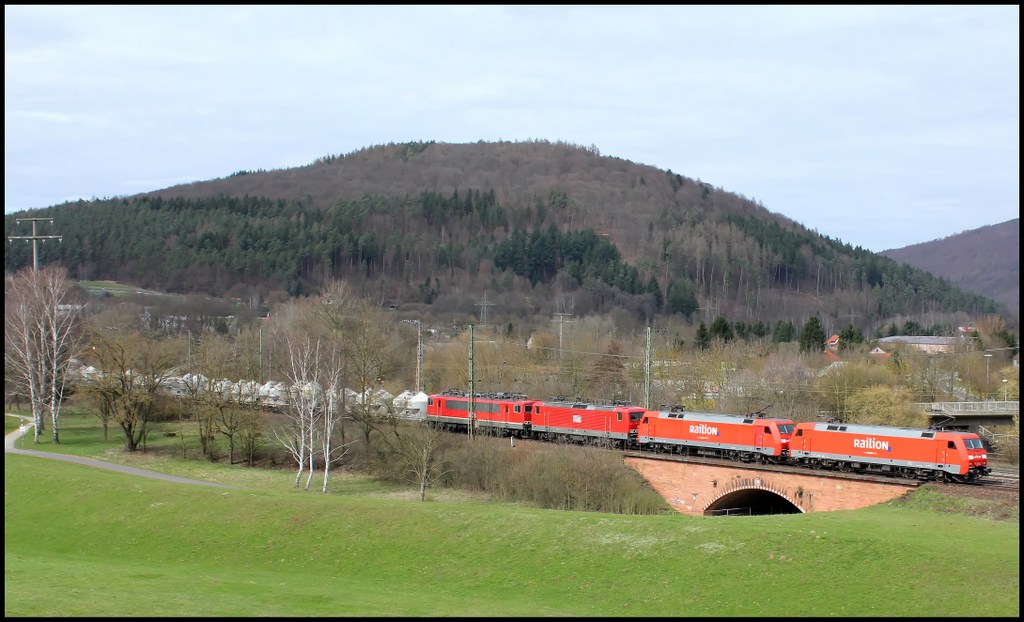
(22, 351)
(206, 363)
(248, 347)
(41, 336)
(294, 358)
(420, 450)
(304, 403)
(365, 333)
(133, 369)
(333, 415)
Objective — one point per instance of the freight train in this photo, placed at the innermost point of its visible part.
(901, 452)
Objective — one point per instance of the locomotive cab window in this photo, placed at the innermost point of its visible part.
(950, 445)
(645, 420)
(799, 432)
(618, 416)
(767, 429)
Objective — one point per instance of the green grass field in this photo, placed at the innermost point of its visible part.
(81, 541)
(111, 287)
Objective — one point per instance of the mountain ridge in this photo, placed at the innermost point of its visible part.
(985, 260)
(430, 224)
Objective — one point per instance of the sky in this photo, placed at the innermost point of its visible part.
(878, 126)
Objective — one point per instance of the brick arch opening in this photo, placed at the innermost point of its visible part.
(751, 497)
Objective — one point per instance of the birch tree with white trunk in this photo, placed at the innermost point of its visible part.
(42, 334)
(367, 336)
(334, 446)
(304, 402)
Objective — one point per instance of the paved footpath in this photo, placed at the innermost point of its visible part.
(26, 424)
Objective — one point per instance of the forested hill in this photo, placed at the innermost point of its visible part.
(516, 230)
(985, 260)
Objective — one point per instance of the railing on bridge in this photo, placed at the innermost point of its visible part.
(990, 407)
(733, 512)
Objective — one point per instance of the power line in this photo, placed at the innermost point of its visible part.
(561, 321)
(483, 308)
(707, 309)
(34, 237)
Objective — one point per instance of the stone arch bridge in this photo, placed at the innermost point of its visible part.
(703, 489)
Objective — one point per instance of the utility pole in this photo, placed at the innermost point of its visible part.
(483, 308)
(561, 321)
(706, 309)
(472, 387)
(35, 238)
(852, 315)
(647, 373)
(419, 356)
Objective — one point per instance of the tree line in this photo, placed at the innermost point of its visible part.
(324, 345)
(418, 248)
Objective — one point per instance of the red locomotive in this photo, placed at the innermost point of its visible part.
(608, 425)
(747, 438)
(504, 413)
(923, 454)
(515, 415)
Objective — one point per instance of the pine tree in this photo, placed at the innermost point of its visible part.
(703, 338)
(812, 336)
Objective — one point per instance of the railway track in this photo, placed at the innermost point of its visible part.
(775, 468)
(999, 479)
(1002, 479)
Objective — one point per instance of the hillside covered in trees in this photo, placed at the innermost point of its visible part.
(506, 230)
(985, 261)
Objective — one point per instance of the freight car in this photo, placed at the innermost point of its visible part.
(914, 453)
(746, 438)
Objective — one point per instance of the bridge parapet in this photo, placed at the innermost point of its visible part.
(698, 489)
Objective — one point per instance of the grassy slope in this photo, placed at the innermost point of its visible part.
(80, 541)
(83, 541)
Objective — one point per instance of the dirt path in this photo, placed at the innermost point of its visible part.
(9, 447)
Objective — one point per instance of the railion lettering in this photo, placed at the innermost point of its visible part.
(703, 428)
(871, 442)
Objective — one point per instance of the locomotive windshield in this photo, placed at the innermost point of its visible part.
(636, 415)
(786, 428)
(973, 443)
